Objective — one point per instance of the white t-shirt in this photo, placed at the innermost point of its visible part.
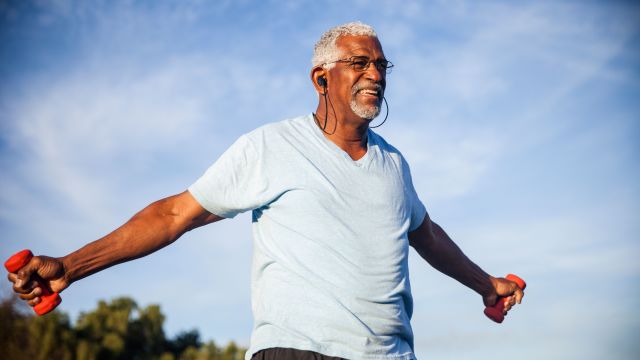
(330, 269)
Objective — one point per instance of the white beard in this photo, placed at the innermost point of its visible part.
(365, 112)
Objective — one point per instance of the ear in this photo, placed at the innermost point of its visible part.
(319, 77)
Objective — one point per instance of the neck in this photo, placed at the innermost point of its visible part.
(348, 134)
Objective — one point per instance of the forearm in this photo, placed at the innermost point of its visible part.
(443, 254)
(149, 230)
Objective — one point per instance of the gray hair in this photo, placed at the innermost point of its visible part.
(326, 50)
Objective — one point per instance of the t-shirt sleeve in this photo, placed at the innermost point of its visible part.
(235, 183)
(418, 210)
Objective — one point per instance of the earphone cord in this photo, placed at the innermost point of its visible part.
(326, 114)
(326, 110)
(385, 117)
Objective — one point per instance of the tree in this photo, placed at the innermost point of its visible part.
(232, 352)
(103, 332)
(14, 339)
(183, 341)
(53, 336)
(114, 330)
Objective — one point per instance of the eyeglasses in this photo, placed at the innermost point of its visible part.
(361, 63)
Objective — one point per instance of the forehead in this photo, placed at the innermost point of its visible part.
(369, 46)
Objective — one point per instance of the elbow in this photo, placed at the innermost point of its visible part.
(164, 216)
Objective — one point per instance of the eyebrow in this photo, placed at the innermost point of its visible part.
(366, 57)
(356, 49)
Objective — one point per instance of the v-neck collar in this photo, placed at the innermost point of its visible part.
(336, 149)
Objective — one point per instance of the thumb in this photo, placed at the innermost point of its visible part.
(24, 274)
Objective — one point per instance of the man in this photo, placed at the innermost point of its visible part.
(334, 212)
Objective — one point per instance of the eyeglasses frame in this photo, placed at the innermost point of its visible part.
(386, 68)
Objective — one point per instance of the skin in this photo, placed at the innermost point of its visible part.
(350, 130)
(164, 221)
(156, 226)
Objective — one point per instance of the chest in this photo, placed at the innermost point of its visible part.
(372, 192)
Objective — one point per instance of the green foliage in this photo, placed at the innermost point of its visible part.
(14, 330)
(115, 330)
(54, 335)
(184, 341)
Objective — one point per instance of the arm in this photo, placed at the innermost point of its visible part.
(436, 247)
(151, 229)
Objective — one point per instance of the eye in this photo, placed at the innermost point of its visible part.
(359, 63)
(384, 65)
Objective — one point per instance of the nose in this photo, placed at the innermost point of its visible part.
(373, 73)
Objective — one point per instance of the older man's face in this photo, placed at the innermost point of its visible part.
(355, 92)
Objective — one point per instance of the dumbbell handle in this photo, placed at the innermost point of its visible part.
(49, 299)
(495, 312)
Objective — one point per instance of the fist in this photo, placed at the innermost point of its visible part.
(39, 271)
(507, 289)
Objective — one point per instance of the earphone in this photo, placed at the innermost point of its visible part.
(322, 81)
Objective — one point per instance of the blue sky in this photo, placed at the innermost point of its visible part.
(520, 120)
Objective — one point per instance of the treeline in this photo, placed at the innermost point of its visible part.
(115, 330)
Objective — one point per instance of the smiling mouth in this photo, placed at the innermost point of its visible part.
(369, 92)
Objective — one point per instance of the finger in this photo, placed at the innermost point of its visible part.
(18, 283)
(31, 285)
(19, 289)
(506, 308)
(32, 295)
(509, 302)
(26, 287)
(519, 294)
(22, 277)
(13, 278)
(34, 302)
(27, 271)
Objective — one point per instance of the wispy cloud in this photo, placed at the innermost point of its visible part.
(497, 106)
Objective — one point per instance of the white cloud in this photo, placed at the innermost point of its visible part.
(156, 93)
(87, 125)
(459, 107)
(445, 163)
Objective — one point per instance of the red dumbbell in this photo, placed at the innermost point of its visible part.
(495, 312)
(49, 299)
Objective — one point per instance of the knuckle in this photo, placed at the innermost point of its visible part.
(22, 273)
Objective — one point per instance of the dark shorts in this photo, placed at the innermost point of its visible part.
(290, 354)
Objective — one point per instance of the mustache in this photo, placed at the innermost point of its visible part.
(367, 86)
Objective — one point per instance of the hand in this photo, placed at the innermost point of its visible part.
(504, 288)
(51, 272)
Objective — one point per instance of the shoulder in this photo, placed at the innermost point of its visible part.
(385, 146)
(278, 130)
(279, 127)
(392, 154)
(281, 138)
